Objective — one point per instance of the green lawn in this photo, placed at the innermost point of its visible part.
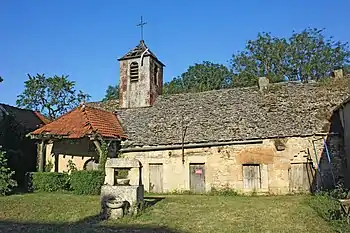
(42, 212)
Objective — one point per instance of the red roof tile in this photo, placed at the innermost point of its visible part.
(84, 121)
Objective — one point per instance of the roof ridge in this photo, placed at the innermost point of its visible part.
(86, 117)
(284, 83)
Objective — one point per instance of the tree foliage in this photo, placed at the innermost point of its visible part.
(112, 93)
(200, 77)
(307, 55)
(1, 79)
(53, 96)
(6, 181)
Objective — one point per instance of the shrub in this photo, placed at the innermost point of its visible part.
(48, 166)
(50, 181)
(6, 181)
(87, 182)
(71, 166)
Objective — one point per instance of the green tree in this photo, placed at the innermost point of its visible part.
(313, 56)
(53, 96)
(112, 93)
(1, 79)
(200, 77)
(307, 55)
(264, 56)
(6, 181)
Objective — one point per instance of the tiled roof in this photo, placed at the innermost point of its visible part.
(84, 121)
(42, 118)
(27, 118)
(137, 52)
(284, 110)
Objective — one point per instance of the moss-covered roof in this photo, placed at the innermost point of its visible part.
(288, 109)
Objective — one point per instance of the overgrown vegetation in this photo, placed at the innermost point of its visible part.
(48, 166)
(50, 181)
(327, 206)
(103, 155)
(6, 181)
(87, 182)
(71, 166)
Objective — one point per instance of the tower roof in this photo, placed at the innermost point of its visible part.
(138, 51)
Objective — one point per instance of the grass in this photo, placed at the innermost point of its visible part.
(57, 212)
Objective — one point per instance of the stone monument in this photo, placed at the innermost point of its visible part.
(118, 197)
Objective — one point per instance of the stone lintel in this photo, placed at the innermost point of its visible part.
(122, 163)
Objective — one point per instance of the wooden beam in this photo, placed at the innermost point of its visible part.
(98, 146)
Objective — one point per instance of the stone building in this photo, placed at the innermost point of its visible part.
(15, 123)
(275, 138)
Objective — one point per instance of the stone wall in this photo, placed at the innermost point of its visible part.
(141, 93)
(223, 164)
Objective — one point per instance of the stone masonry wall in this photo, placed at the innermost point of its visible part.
(137, 93)
(223, 164)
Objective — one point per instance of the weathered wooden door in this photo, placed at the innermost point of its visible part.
(156, 178)
(251, 176)
(197, 178)
(301, 177)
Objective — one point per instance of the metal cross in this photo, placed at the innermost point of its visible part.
(141, 25)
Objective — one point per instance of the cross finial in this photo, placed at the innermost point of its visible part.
(141, 26)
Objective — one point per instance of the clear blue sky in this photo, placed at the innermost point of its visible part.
(83, 39)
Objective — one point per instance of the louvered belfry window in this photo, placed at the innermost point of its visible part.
(134, 71)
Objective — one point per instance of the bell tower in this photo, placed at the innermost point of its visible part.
(141, 77)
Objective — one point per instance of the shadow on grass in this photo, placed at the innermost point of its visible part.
(90, 224)
(150, 201)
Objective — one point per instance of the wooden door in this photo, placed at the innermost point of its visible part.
(251, 177)
(156, 178)
(301, 177)
(197, 178)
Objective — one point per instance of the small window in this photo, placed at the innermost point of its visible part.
(251, 176)
(155, 73)
(134, 71)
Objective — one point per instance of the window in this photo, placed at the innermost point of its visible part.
(134, 71)
(155, 73)
(251, 176)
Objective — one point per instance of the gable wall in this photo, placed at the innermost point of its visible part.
(223, 165)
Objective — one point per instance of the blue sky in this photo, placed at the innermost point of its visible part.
(83, 39)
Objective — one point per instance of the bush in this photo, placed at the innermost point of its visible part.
(87, 182)
(50, 181)
(6, 181)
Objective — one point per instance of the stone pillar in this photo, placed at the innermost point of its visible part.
(109, 179)
(41, 156)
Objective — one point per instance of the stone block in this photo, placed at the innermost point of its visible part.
(263, 83)
(122, 163)
(133, 194)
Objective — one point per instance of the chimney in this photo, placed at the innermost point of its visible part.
(338, 74)
(263, 83)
